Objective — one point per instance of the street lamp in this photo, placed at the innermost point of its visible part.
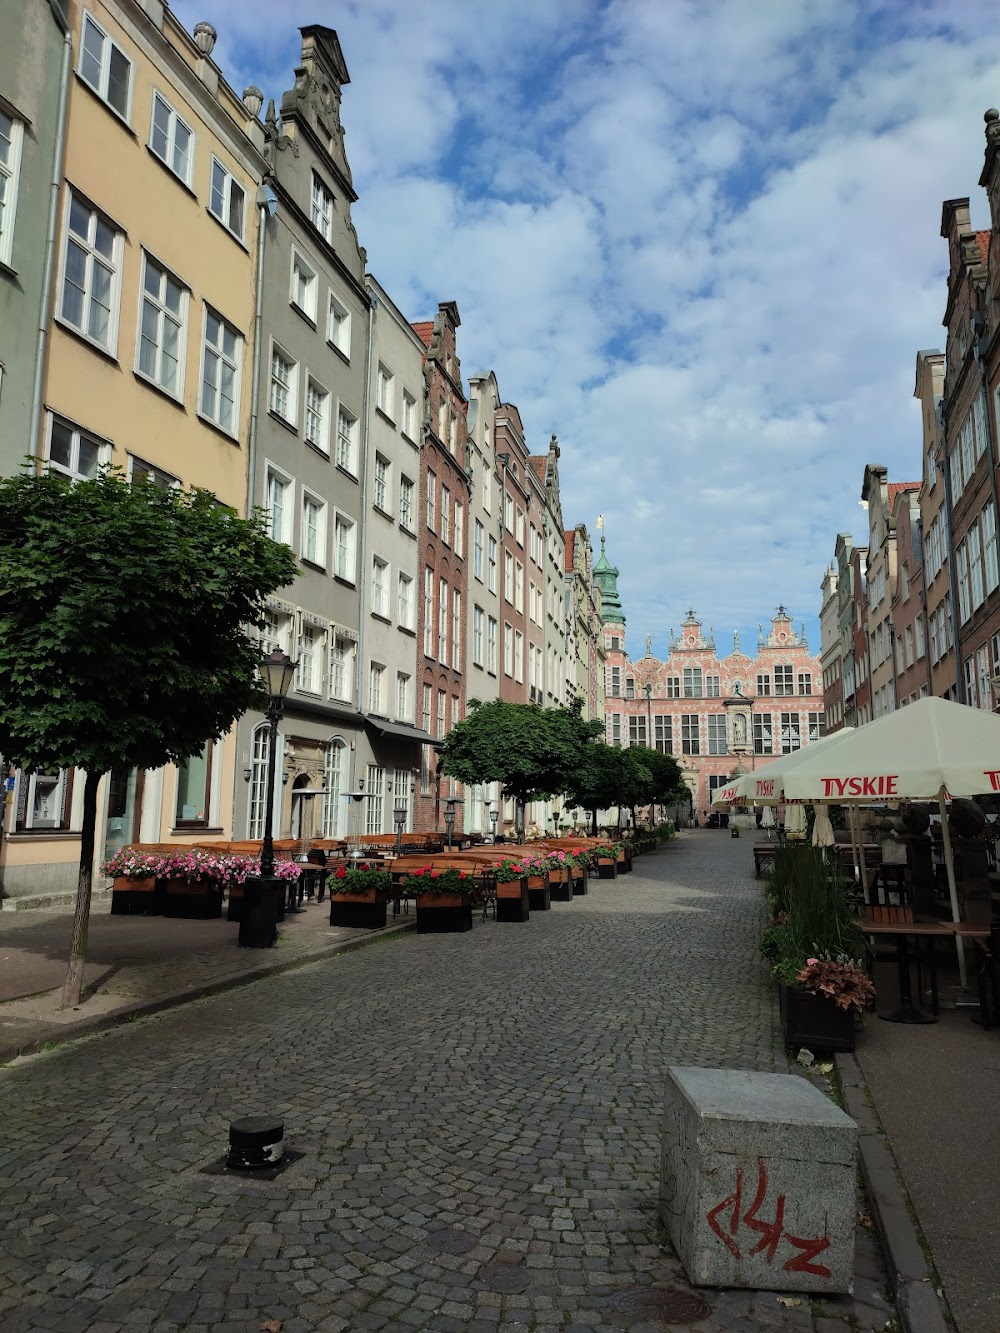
(449, 816)
(487, 808)
(494, 816)
(258, 923)
(399, 814)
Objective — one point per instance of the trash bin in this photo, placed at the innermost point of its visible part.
(259, 921)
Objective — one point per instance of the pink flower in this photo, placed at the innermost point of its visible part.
(810, 961)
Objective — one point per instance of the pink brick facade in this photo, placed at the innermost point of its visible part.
(712, 712)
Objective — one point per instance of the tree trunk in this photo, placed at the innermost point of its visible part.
(73, 985)
(593, 822)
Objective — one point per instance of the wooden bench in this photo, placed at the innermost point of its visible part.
(763, 857)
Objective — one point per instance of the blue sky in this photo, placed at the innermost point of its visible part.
(698, 239)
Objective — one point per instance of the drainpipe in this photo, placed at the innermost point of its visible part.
(363, 516)
(952, 577)
(255, 386)
(55, 186)
(978, 347)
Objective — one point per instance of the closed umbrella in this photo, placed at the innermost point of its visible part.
(822, 828)
(795, 821)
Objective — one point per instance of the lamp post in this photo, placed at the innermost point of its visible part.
(258, 926)
(449, 816)
(399, 814)
(494, 816)
(487, 810)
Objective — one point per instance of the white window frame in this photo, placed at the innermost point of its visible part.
(286, 389)
(138, 468)
(229, 184)
(77, 435)
(303, 283)
(385, 391)
(338, 326)
(279, 478)
(169, 156)
(428, 611)
(109, 47)
(407, 494)
(442, 635)
(308, 676)
(234, 363)
(405, 601)
(381, 578)
(345, 564)
(403, 682)
(492, 631)
(92, 256)
(408, 424)
(459, 526)
(347, 454)
(456, 629)
(432, 501)
(381, 484)
(376, 689)
(316, 423)
(319, 553)
(163, 315)
(321, 207)
(10, 173)
(478, 543)
(343, 657)
(478, 634)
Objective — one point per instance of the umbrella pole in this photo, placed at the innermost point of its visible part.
(854, 844)
(861, 856)
(949, 861)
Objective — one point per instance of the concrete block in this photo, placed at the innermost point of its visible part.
(758, 1181)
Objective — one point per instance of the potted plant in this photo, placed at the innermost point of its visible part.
(562, 869)
(605, 858)
(444, 898)
(818, 1008)
(517, 882)
(358, 898)
(242, 868)
(133, 891)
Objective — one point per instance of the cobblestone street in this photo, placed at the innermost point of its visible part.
(505, 1084)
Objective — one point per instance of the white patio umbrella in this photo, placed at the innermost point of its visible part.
(795, 819)
(822, 835)
(931, 749)
(767, 819)
(765, 785)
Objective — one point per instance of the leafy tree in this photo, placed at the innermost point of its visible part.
(531, 751)
(123, 643)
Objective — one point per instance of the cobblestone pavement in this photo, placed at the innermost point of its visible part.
(504, 1084)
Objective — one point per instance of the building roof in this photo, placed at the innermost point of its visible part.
(423, 331)
(538, 463)
(895, 487)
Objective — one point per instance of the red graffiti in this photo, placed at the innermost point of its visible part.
(771, 1233)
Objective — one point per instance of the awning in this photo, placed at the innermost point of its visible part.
(398, 731)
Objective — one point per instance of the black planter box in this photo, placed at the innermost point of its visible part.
(444, 920)
(193, 906)
(580, 885)
(515, 909)
(540, 900)
(607, 870)
(561, 893)
(358, 916)
(815, 1021)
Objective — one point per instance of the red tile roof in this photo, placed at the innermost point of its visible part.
(895, 487)
(537, 463)
(983, 237)
(424, 331)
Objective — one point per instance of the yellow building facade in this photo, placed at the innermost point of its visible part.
(150, 355)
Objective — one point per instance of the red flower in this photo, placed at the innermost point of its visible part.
(434, 874)
(341, 873)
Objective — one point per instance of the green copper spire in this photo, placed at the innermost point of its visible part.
(606, 578)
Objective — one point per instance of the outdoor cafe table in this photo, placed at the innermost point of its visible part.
(902, 932)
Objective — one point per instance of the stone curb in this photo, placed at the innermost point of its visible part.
(918, 1305)
(145, 1008)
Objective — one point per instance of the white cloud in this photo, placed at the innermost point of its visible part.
(698, 241)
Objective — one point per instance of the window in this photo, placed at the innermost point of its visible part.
(692, 683)
(791, 738)
(762, 739)
(425, 715)
(347, 440)
(456, 629)
(975, 566)
(280, 492)
(962, 567)
(443, 622)
(637, 731)
(161, 329)
(105, 67)
(442, 714)
(406, 503)
(171, 139)
(343, 652)
(508, 649)
(519, 586)
(663, 737)
(192, 803)
(313, 534)
(428, 612)
(384, 391)
(712, 686)
(284, 380)
(334, 813)
(317, 429)
(784, 683)
(409, 425)
(138, 470)
(446, 515)
(805, 683)
(519, 527)
(459, 528)
(508, 512)
(375, 786)
(491, 581)
(381, 483)
(432, 501)
(717, 742)
(491, 645)
(817, 725)
(673, 687)
(220, 372)
(518, 655)
(310, 655)
(478, 633)
(690, 740)
(227, 199)
(989, 522)
(380, 588)
(321, 209)
(376, 681)
(91, 274)
(478, 533)
(74, 452)
(344, 548)
(11, 137)
(402, 696)
(508, 577)
(304, 291)
(258, 780)
(616, 729)
(338, 326)
(43, 799)
(763, 683)
(629, 687)
(405, 602)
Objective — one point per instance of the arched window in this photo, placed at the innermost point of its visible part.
(335, 789)
(258, 782)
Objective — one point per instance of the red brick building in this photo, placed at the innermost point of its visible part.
(441, 620)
